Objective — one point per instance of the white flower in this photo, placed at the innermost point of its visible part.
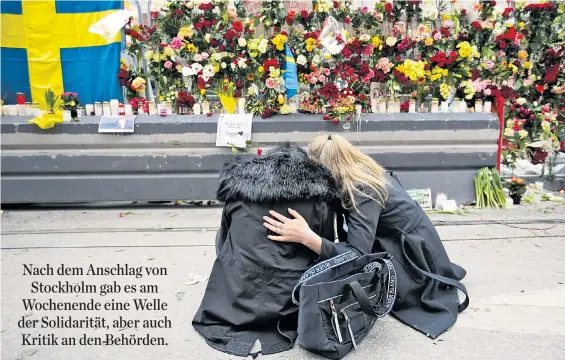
(197, 57)
(364, 37)
(216, 10)
(301, 59)
(316, 59)
(205, 55)
(188, 71)
(429, 11)
(216, 56)
(233, 66)
(207, 37)
(521, 101)
(224, 65)
(242, 42)
(391, 40)
(242, 63)
(263, 46)
(196, 67)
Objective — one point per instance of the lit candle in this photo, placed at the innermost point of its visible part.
(487, 106)
(97, 109)
(106, 109)
(241, 105)
(205, 107)
(114, 107)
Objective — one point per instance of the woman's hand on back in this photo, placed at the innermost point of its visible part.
(292, 230)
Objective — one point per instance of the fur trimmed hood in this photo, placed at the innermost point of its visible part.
(284, 174)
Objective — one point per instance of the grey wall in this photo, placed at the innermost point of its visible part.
(175, 158)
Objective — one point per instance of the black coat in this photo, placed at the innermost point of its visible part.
(422, 303)
(248, 296)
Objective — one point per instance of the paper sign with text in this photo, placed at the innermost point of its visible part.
(117, 124)
(234, 129)
(422, 197)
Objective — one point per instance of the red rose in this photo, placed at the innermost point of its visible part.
(507, 12)
(388, 8)
(237, 26)
(475, 75)
(362, 97)
(290, 18)
(502, 44)
(511, 34)
(336, 4)
(347, 20)
(305, 15)
(208, 6)
(539, 88)
(270, 62)
(259, 152)
(346, 53)
(230, 35)
(198, 25)
(207, 24)
(154, 15)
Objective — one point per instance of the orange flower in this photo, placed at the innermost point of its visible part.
(250, 77)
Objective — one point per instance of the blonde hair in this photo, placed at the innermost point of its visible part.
(355, 171)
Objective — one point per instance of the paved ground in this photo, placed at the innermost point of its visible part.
(516, 278)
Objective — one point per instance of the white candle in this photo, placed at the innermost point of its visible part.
(114, 107)
(196, 109)
(462, 106)
(435, 106)
(358, 109)
(374, 106)
(382, 107)
(21, 110)
(97, 109)
(89, 108)
(444, 106)
(205, 108)
(539, 185)
(487, 106)
(241, 106)
(478, 106)
(107, 110)
(128, 109)
(412, 107)
(5, 110)
(13, 110)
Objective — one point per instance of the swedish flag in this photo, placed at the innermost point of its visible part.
(291, 72)
(46, 44)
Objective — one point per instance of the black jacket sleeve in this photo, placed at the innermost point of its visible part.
(224, 228)
(361, 229)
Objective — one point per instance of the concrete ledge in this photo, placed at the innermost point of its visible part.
(175, 158)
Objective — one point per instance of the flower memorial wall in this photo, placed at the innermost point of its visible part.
(337, 55)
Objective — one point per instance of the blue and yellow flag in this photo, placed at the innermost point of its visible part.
(46, 44)
(291, 72)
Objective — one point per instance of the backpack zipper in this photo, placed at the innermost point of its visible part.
(335, 322)
(349, 328)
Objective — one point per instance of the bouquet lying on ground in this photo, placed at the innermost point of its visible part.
(488, 189)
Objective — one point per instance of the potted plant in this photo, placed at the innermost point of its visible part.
(225, 93)
(516, 188)
(51, 100)
(69, 105)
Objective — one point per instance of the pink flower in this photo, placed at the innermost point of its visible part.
(368, 50)
(205, 56)
(198, 57)
(488, 92)
(489, 64)
(313, 79)
(322, 78)
(168, 65)
(501, 54)
(448, 23)
(365, 10)
(527, 82)
(176, 43)
(437, 36)
(271, 83)
(326, 71)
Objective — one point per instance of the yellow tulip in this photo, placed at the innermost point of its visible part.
(429, 41)
(280, 98)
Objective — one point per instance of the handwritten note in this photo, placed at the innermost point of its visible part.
(234, 129)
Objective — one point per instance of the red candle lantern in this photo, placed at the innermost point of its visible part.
(20, 98)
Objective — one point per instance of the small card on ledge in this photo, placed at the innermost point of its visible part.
(117, 124)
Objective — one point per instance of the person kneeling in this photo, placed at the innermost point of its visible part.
(248, 297)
